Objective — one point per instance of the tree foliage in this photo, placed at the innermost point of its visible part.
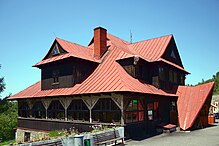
(8, 115)
(8, 118)
(2, 84)
(214, 78)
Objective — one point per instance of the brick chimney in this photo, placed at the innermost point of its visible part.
(100, 41)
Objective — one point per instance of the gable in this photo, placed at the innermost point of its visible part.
(171, 53)
(55, 50)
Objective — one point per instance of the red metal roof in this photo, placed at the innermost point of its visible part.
(73, 50)
(150, 50)
(190, 101)
(109, 76)
(153, 49)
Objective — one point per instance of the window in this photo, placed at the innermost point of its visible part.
(55, 50)
(173, 54)
(182, 78)
(170, 76)
(161, 73)
(77, 110)
(134, 111)
(153, 110)
(173, 106)
(56, 110)
(173, 112)
(23, 109)
(150, 111)
(38, 110)
(106, 111)
(174, 77)
(55, 75)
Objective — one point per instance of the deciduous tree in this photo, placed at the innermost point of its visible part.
(2, 84)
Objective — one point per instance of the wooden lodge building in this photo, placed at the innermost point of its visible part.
(135, 85)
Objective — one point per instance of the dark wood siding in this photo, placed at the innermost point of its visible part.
(48, 125)
(71, 72)
(166, 83)
(149, 72)
(141, 71)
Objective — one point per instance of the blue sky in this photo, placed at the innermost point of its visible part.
(28, 28)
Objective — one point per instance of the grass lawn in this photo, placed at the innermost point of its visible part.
(7, 142)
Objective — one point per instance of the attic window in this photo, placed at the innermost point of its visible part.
(173, 54)
(55, 50)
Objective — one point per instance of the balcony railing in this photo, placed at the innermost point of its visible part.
(50, 125)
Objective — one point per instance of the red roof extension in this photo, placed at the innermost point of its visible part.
(109, 76)
(190, 101)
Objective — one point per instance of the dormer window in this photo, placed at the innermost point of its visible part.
(55, 50)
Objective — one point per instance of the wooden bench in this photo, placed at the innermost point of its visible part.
(55, 143)
(167, 128)
(107, 137)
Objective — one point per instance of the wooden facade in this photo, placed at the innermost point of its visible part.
(159, 74)
(128, 110)
(65, 73)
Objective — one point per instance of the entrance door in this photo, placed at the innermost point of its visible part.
(26, 136)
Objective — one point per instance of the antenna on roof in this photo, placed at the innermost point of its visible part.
(130, 36)
(54, 34)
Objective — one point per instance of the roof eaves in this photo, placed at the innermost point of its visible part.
(173, 64)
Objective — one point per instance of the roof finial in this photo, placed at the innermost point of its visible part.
(130, 36)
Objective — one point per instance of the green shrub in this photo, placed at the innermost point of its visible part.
(56, 133)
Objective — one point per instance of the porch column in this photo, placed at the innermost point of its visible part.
(46, 103)
(122, 111)
(46, 114)
(65, 103)
(30, 104)
(90, 102)
(90, 115)
(118, 99)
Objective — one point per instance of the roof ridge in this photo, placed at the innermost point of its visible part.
(71, 42)
(125, 45)
(124, 41)
(152, 39)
